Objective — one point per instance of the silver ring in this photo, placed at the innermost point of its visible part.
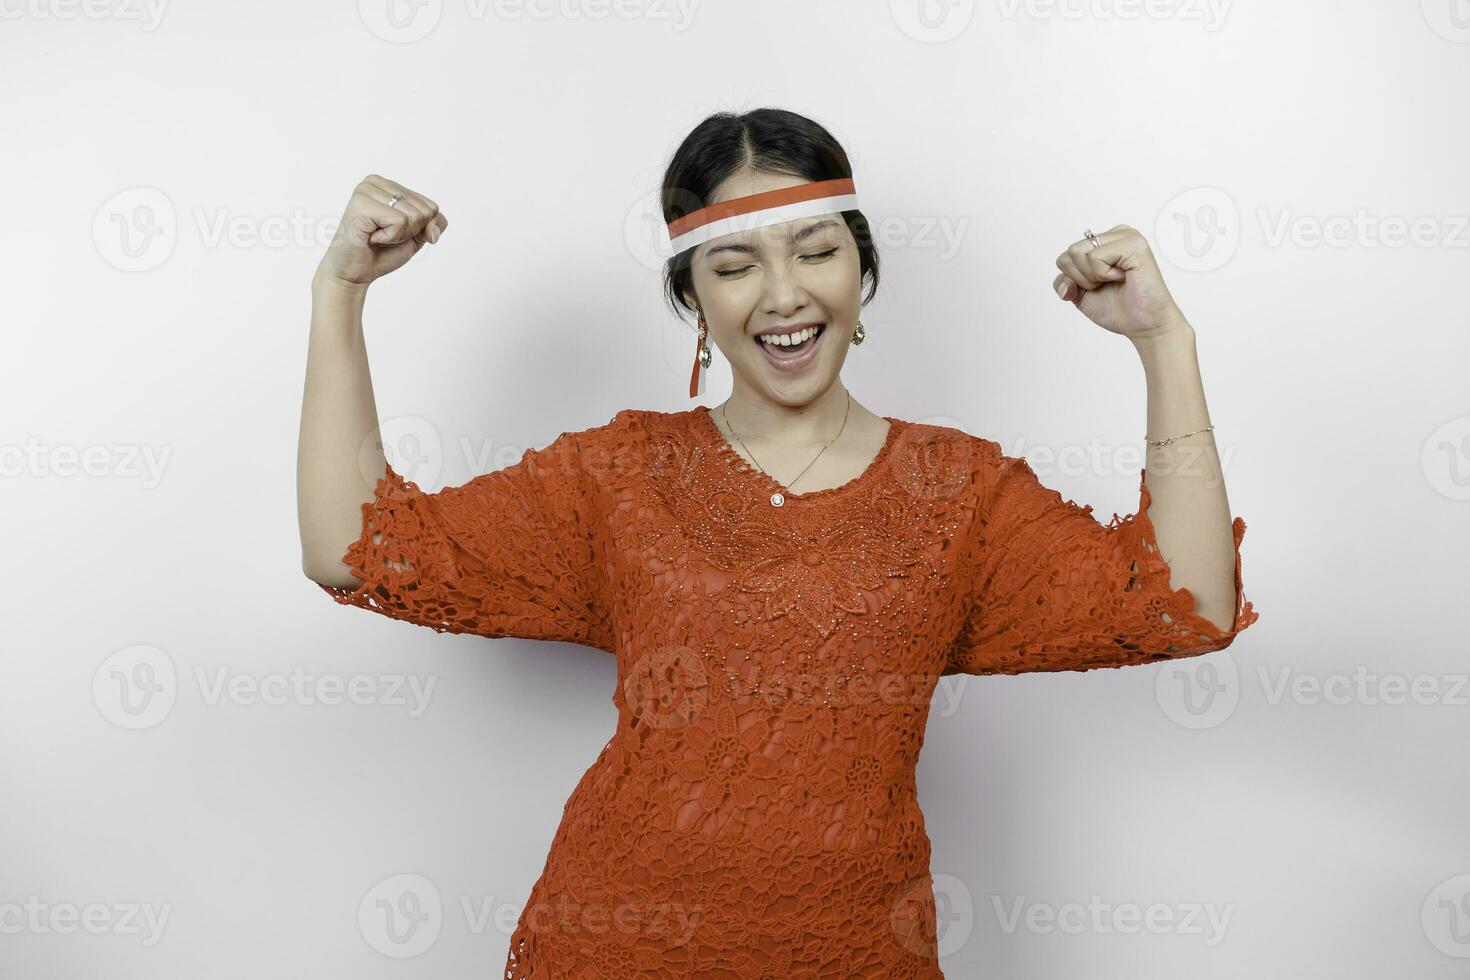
(393, 201)
(1091, 237)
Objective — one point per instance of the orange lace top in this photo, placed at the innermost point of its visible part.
(754, 814)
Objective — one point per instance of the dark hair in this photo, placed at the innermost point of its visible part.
(774, 141)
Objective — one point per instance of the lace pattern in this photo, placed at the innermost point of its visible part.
(755, 814)
(1055, 590)
(505, 554)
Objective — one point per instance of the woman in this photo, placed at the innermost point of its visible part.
(782, 579)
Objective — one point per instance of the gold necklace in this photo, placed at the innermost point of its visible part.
(778, 498)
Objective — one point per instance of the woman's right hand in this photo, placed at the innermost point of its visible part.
(373, 238)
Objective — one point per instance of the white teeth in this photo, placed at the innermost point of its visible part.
(788, 339)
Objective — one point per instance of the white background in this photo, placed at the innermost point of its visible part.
(156, 305)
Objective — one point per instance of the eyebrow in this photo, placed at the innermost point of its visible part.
(801, 235)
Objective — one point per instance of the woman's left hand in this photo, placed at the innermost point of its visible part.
(1117, 285)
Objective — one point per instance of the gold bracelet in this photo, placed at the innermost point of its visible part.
(1165, 442)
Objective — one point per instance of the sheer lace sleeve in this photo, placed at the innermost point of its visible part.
(1053, 589)
(509, 553)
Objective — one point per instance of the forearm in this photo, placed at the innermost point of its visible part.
(1189, 509)
(339, 456)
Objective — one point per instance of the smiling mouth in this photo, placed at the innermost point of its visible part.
(786, 350)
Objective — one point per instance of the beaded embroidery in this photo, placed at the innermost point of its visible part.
(755, 812)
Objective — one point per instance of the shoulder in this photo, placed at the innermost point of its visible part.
(940, 429)
(1001, 482)
(979, 464)
(942, 438)
(590, 438)
(623, 422)
(609, 452)
(631, 431)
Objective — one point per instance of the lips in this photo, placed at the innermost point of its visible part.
(787, 359)
(790, 329)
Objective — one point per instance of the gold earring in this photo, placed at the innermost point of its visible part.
(859, 335)
(703, 358)
(706, 356)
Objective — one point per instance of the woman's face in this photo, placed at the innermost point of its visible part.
(801, 273)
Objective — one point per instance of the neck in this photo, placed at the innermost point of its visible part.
(814, 423)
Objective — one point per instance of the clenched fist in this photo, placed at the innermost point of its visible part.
(1117, 285)
(376, 236)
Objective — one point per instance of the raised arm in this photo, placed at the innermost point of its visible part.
(1117, 284)
(1051, 588)
(1189, 511)
(339, 460)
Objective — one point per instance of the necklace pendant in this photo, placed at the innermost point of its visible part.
(777, 499)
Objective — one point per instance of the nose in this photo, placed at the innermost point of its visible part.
(784, 294)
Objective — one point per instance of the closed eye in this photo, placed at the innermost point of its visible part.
(728, 273)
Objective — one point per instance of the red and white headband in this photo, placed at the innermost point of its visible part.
(751, 212)
(761, 210)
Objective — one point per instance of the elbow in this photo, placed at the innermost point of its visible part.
(1215, 628)
(1218, 605)
(333, 574)
(1219, 615)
